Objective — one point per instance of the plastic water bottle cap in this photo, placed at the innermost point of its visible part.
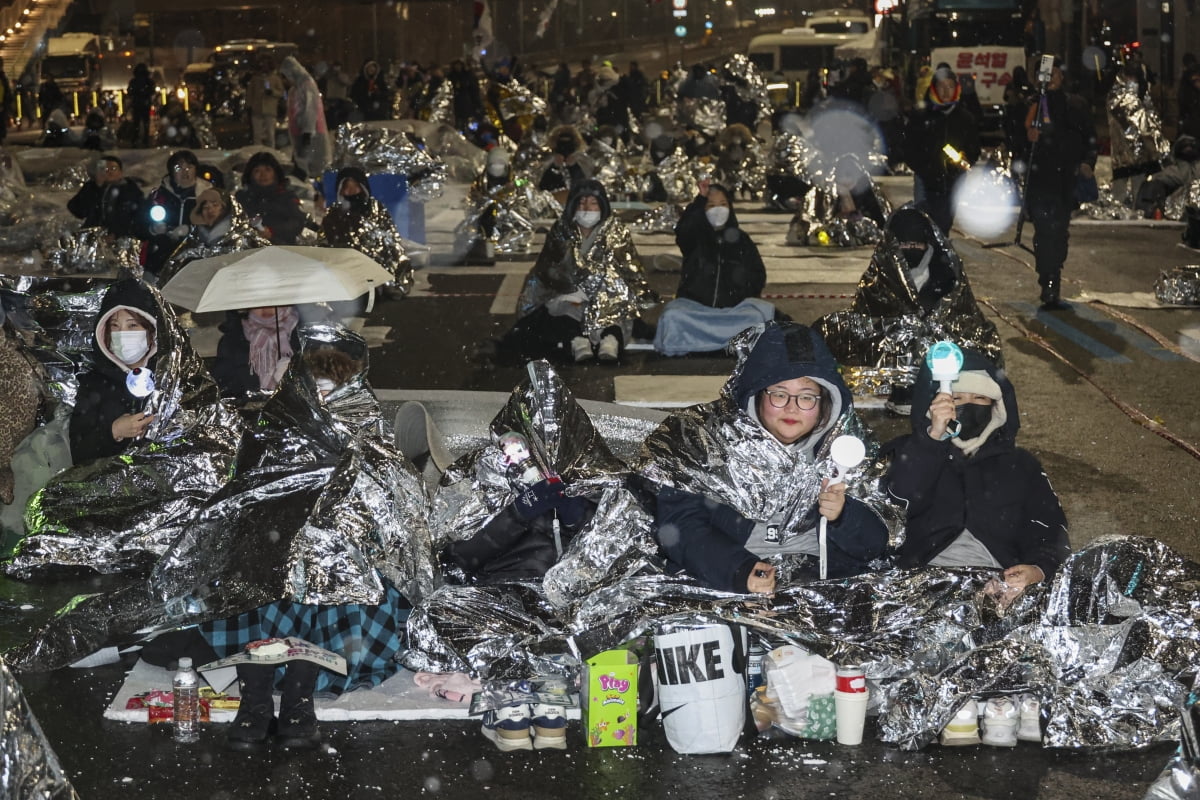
(185, 662)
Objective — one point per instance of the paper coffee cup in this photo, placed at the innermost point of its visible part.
(851, 709)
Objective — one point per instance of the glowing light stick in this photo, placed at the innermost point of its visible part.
(847, 453)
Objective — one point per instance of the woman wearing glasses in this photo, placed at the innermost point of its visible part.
(740, 481)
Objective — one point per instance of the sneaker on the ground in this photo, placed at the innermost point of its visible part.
(581, 349)
(964, 728)
(508, 727)
(609, 349)
(1000, 722)
(1029, 729)
(549, 727)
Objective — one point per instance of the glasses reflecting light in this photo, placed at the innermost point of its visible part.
(780, 399)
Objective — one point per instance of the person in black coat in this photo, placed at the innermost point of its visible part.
(109, 200)
(942, 121)
(721, 264)
(142, 91)
(973, 497)
(255, 348)
(1063, 149)
(109, 413)
(370, 93)
(165, 218)
(268, 200)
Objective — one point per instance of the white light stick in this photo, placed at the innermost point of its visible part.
(847, 453)
(945, 360)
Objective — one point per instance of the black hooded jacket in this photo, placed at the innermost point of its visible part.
(999, 493)
(275, 205)
(103, 395)
(721, 268)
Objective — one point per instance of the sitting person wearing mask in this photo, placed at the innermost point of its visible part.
(358, 220)
(166, 213)
(109, 414)
(914, 289)
(108, 200)
(255, 349)
(219, 226)
(265, 196)
(739, 480)
(723, 276)
(568, 167)
(587, 287)
(973, 498)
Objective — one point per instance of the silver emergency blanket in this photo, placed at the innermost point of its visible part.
(609, 274)
(441, 106)
(1179, 286)
(1135, 128)
(703, 114)
(1103, 647)
(881, 340)
(93, 250)
(206, 139)
(322, 510)
(1180, 779)
(658, 220)
(502, 207)
(614, 168)
(718, 451)
(373, 234)
(29, 768)
(520, 103)
(746, 79)
(741, 161)
(515, 630)
(113, 514)
(56, 331)
(821, 220)
(1108, 206)
(680, 175)
(232, 234)
(383, 150)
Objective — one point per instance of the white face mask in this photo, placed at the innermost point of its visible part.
(587, 219)
(129, 346)
(717, 215)
(497, 170)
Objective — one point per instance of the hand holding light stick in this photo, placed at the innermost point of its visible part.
(847, 452)
(945, 360)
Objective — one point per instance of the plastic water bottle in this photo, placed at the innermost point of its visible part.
(186, 691)
(754, 663)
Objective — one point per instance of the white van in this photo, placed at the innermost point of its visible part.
(786, 59)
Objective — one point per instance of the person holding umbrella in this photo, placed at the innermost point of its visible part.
(255, 349)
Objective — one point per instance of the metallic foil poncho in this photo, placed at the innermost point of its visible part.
(1134, 126)
(882, 338)
(377, 149)
(29, 768)
(718, 451)
(373, 234)
(91, 250)
(746, 79)
(609, 274)
(1179, 286)
(503, 208)
(240, 235)
(115, 513)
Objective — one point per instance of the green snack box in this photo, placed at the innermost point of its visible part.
(611, 705)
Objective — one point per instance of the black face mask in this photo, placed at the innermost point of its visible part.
(972, 419)
(565, 147)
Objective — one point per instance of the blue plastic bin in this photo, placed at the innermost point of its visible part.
(392, 191)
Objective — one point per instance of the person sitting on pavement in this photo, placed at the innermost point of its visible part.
(255, 349)
(974, 498)
(740, 480)
(108, 200)
(358, 220)
(268, 200)
(165, 219)
(723, 278)
(219, 226)
(568, 166)
(915, 278)
(587, 287)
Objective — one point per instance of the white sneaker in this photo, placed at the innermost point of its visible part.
(1029, 729)
(610, 349)
(508, 728)
(964, 728)
(1000, 722)
(581, 349)
(549, 727)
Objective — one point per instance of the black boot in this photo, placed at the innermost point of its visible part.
(297, 718)
(256, 712)
(1051, 301)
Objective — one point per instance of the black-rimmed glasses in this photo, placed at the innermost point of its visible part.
(780, 399)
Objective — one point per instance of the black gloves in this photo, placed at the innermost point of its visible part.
(546, 496)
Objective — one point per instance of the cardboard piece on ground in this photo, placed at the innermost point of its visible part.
(397, 698)
(667, 391)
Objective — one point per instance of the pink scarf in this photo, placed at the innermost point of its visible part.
(270, 345)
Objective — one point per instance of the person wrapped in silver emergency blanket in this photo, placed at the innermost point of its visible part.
(498, 218)
(914, 293)
(742, 482)
(840, 207)
(150, 438)
(1135, 131)
(219, 226)
(29, 767)
(587, 287)
(358, 220)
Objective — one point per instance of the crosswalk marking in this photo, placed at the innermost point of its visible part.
(1139, 340)
(1057, 324)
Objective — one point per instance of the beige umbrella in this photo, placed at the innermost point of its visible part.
(280, 275)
